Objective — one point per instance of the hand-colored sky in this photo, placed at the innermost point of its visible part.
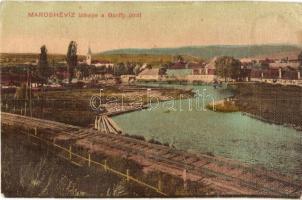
(161, 25)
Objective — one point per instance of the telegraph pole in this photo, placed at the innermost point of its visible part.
(30, 91)
(26, 91)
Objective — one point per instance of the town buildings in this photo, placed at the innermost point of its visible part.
(149, 74)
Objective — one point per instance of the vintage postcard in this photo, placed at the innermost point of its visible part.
(151, 99)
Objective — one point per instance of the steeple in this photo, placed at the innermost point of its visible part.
(88, 56)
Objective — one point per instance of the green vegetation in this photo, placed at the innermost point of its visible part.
(72, 59)
(275, 103)
(43, 66)
(228, 67)
(137, 137)
(67, 105)
(158, 56)
(123, 58)
(11, 59)
(155, 60)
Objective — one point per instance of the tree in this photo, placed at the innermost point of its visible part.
(120, 69)
(149, 66)
(228, 67)
(72, 59)
(264, 65)
(179, 59)
(44, 70)
(130, 68)
(163, 69)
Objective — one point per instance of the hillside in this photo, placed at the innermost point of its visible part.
(157, 56)
(207, 52)
(140, 58)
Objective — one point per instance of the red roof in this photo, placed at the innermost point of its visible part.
(178, 65)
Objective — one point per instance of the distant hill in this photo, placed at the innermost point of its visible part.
(207, 52)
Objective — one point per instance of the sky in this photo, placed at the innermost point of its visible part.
(157, 24)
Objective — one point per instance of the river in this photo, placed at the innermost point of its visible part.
(188, 126)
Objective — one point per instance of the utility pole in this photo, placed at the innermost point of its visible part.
(53, 67)
(30, 91)
(26, 91)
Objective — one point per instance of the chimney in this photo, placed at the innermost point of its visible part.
(280, 73)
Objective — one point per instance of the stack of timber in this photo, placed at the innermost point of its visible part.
(105, 124)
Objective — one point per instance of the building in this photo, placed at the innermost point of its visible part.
(178, 65)
(148, 74)
(273, 75)
(102, 63)
(178, 73)
(204, 73)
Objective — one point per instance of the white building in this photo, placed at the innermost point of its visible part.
(149, 74)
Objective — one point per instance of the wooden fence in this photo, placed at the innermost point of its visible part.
(104, 166)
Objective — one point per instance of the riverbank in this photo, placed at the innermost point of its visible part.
(224, 177)
(72, 106)
(230, 135)
(276, 104)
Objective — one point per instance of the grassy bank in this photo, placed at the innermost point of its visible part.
(275, 103)
(72, 106)
(30, 169)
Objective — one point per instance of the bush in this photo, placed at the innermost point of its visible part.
(138, 137)
(153, 141)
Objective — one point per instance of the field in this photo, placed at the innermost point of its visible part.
(144, 58)
(11, 59)
(67, 105)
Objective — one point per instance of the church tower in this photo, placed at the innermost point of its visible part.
(88, 57)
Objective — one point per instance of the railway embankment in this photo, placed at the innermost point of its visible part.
(191, 172)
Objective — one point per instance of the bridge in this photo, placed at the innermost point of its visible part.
(226, 177)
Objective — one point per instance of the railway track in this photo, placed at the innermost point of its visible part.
(226, 176)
